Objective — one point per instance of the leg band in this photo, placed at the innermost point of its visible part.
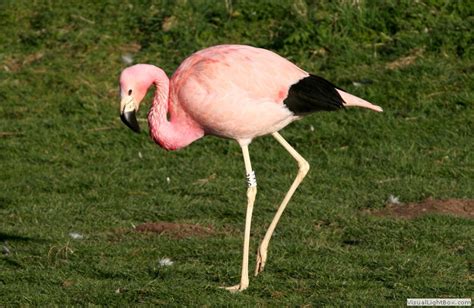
(251, 179)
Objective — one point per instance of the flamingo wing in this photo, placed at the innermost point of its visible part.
(241, 92)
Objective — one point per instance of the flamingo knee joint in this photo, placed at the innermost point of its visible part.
(304, 167)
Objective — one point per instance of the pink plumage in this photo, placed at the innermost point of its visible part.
(231, 91)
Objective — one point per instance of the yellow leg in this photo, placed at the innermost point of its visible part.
(251, 193)
(303, 168)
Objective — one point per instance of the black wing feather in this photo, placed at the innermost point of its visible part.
(312, 94)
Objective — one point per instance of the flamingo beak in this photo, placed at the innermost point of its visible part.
(128, 114)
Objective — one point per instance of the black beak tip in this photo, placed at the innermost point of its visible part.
(129, 118)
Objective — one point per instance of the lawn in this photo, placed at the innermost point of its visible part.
(75, 182)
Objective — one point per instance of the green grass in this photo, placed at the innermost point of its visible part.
(69, 165)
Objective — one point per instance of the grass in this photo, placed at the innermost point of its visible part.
(69, 165)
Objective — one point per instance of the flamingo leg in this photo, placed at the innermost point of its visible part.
(303, 168)
(251, 194)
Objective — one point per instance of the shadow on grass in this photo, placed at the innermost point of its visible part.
(5, 238)
(18, 238)
(109, 275)
(11, 262)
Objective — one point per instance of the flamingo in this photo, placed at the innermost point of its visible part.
(232, 91)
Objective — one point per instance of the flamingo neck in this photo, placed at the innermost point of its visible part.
(170, 126)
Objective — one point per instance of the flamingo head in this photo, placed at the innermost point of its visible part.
(134, 83)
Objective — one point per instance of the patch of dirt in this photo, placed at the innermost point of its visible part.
(131, 48)
(175, 230)
(455, 207)
(15, 64)
(405, 61)
(205, 180)
(68, 283)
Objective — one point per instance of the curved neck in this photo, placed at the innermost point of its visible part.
(170, 126)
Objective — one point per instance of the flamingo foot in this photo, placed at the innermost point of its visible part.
(261, 259)
(237, 288)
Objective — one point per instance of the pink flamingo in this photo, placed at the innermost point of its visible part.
(232, 91)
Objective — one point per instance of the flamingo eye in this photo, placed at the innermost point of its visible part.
(130, 92)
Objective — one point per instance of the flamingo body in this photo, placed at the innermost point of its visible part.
(232, 91)
(235, 91)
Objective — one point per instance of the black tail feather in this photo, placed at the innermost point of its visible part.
(313, 94)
